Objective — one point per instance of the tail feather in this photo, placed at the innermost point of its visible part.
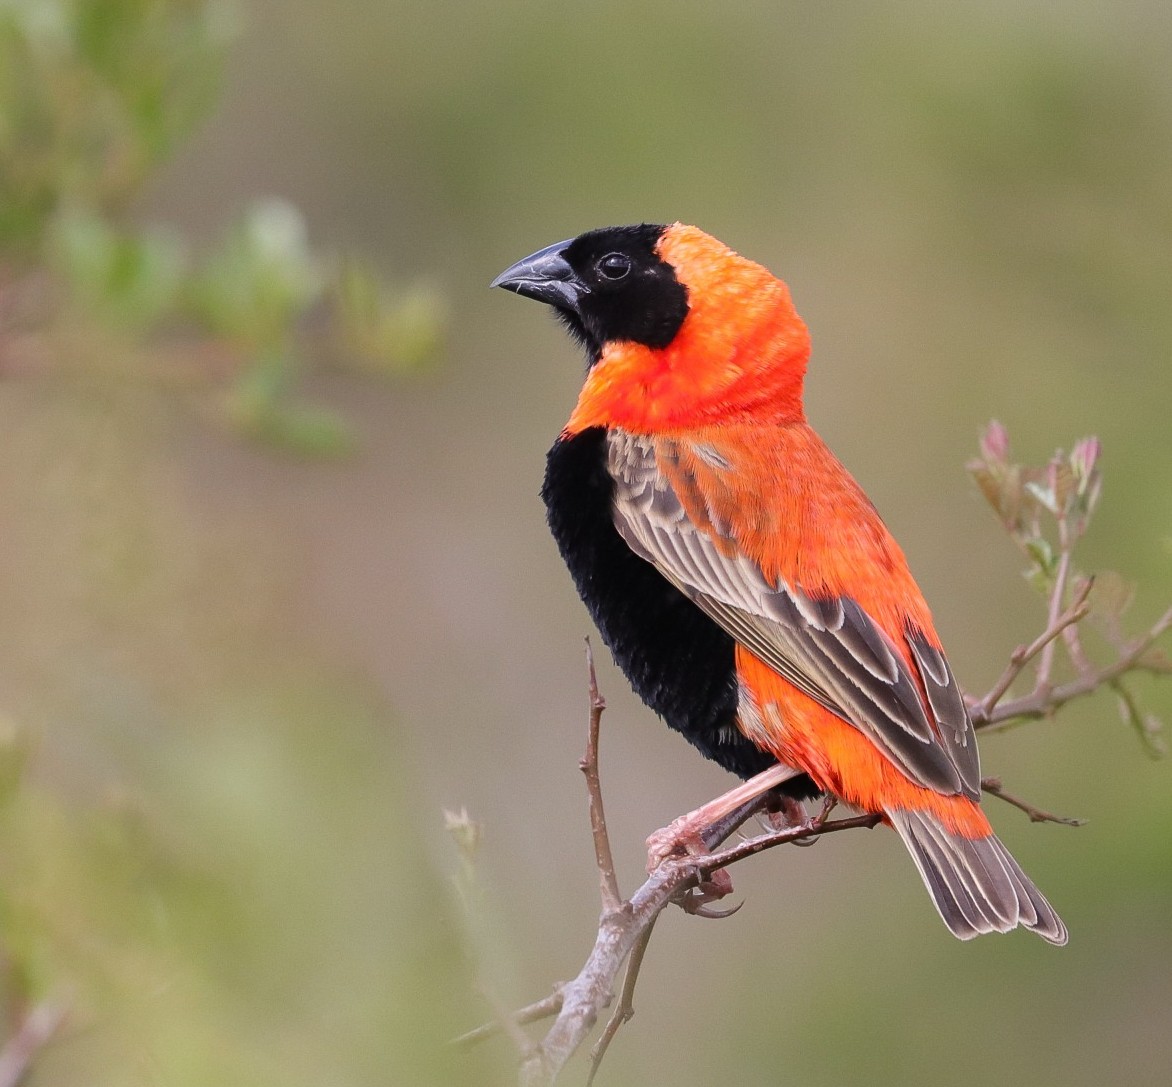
(976, 885)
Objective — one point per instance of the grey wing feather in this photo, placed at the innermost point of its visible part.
(830, 649)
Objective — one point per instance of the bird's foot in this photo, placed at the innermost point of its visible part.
(682, 839)
(681, 836)
(685, 836)
(783, 813)
(791, 814)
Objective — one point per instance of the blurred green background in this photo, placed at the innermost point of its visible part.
(276, 584)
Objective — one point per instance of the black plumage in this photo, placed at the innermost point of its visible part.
(676, 658)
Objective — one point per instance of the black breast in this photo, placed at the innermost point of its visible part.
(677, 659)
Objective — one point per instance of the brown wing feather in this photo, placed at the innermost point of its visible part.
(829, 648)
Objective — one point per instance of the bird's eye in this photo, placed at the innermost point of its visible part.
(614, 266)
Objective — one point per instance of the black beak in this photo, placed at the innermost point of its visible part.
(546, 276)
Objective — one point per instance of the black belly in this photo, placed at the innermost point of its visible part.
(677, 659)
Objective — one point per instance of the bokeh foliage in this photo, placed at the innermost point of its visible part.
(97, 95)
(208, 862)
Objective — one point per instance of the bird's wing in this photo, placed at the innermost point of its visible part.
(827, 647)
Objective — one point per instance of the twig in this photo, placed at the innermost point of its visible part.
(1037, 815)
(1074, 649)
(628, 925)
(531, 1013)
(1146, 726)
(34, 1032)
(604, 858)
(1044, 702)
(618, 932)
(626, 1007)
(1057, 596)
(761, 842)
(1023, 654)
(506, 1021)
(591, 989)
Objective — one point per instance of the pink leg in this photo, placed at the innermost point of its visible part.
(683, 834)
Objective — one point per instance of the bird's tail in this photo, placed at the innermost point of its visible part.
(976, 885)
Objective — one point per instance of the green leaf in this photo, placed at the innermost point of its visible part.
(262, 278)
(261, 386)
(385, 332)
(1039, 549)
(259, 406)
(120, 278)
(305, 429)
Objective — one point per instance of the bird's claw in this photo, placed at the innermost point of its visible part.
(694, 904)
(715, 886)
(678, 842)
(783, 813)
(790, 814)
(816, 822)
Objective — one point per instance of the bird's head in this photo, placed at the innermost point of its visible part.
(679, 329)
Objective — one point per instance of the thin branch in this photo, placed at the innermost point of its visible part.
(586, 994)
(628, 926)
(788, 835)
(1037, 815)
(1057, 596)
(1023, 654)
(1044, 702)
(552, 1005)
(626, 1007)
(1070, 634)
(1146, 725)
(618, 933)
(531, 1013)
(608, 883)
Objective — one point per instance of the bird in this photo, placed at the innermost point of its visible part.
(739, 575)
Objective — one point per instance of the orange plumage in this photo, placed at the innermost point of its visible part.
(721, 485)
